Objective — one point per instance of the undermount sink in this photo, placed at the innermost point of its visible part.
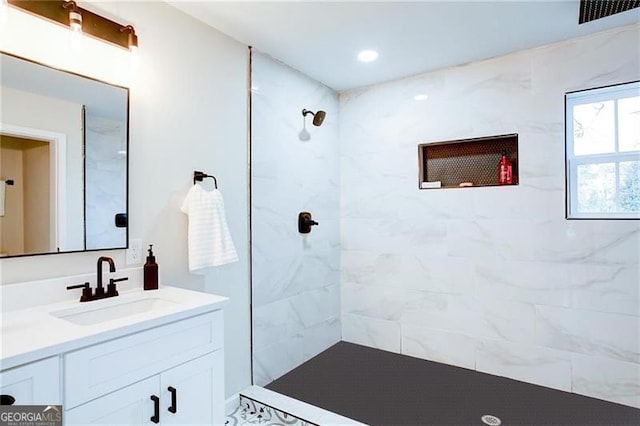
(90, 313)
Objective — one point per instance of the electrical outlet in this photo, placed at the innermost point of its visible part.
(134, 252)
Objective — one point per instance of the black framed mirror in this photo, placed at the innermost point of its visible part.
(64, 141)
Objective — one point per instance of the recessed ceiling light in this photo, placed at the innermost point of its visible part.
(367, 56)
(421, 97)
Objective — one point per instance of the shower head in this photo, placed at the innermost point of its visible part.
(318, 117)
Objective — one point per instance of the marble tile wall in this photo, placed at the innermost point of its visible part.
(106, 159)
(296, 277)
(493, 279)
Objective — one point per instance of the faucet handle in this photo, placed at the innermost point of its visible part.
(111, 288)
(86, 291)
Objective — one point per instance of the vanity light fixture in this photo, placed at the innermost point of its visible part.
(69, 14)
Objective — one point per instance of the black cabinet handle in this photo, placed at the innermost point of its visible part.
(156, 409)
(174, 400)
(7, 400)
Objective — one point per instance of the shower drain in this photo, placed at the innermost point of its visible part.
(490, 420)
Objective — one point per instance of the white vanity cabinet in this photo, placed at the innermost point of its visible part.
(173, 374)
(142, 358)
(37, 383)
(185, 395)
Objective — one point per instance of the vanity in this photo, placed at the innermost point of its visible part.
(142, 358)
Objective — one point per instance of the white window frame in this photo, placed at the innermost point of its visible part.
(610, 93)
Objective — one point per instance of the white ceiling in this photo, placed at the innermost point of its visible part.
(322, 38)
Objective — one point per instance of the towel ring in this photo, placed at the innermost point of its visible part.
(199, 176)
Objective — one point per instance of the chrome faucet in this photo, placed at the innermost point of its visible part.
(112, 268)
(88, 295)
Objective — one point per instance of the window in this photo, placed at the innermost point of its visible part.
(603, 152)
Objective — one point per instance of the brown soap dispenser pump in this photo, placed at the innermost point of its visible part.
(151, 271)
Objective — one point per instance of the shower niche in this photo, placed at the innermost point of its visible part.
(466, 163)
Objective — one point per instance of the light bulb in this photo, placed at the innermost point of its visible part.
(75, 24)
(75, 21)
(76, 38)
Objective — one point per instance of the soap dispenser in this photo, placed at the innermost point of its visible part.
(151, 271)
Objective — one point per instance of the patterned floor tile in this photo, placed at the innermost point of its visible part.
(250, 412)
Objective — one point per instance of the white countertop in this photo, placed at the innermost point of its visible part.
(34, 333)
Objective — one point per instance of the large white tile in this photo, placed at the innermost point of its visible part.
(372, 332)
(320, 337)
(606, 379)
(407, 270)
(316, 306)
(535, 282)
(539, 195)
(390, 234)
(606, 288)
(379, 302)
(597, 60)
(273, 323)
(277, 359)
(591, 333)
(471, 240)
(582, 242)
(369, 268)
(478, 317)
(295, 278)
(277, 279)
(440, 346)
(541, 366)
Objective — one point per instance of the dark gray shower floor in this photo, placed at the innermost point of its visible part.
(384, 388)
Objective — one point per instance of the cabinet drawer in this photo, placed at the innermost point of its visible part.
(37, 383)
(103, 368)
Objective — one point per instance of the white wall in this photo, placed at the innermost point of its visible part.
(296, 292)
(187, 111)
(493, 279)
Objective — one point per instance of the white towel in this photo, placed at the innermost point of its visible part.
(209, 242)
(2, 188)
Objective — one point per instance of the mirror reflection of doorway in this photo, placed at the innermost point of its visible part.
(26, 162)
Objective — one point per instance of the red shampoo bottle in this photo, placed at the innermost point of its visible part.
(505, 170)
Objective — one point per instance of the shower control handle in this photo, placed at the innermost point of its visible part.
(305, 222)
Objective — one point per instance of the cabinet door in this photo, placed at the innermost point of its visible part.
(198, 387)
(37, 383)
(131, 406)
